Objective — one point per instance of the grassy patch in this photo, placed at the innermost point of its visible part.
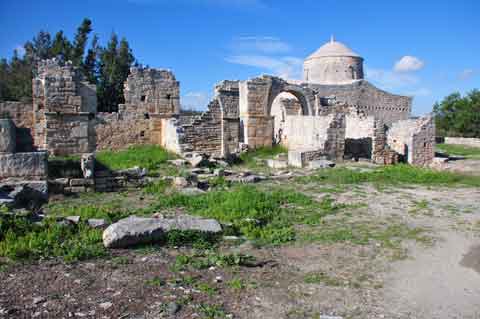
(208, 259)
(460, 150)
(391, 175)
(250, 158)
(266, 217)
(388, 235)
(22, 239)
(151, 157)
(320, 277)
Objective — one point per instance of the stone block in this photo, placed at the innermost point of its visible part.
(7, 136)
(32, 165)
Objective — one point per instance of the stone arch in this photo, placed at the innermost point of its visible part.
(305, 96)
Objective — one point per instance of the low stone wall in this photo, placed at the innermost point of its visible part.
(466, 141)
(71, 185)
(112, 181)
(116, 131)
(414, 140)
(27, 166)
(301, 158)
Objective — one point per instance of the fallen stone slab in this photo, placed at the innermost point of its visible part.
(191, 191)
(316, 164)
(277, 163)
(135, 230)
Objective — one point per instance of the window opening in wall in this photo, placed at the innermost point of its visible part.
(146, 116)
(168, 96)
(142, 133)
(143, 98)
(425, 144)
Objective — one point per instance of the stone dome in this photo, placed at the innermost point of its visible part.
(333, 63)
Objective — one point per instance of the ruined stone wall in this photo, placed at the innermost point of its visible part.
(23, 166)
(466, 141)
(359, 135)
(367, 98)
(62, 102)
(68, 134)
(116, 131)
(7, 136)
(152, 91)
(204, 135)
(228, 95)
(22, 115)
(325, 133)
(414, 140)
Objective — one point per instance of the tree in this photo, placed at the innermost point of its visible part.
(458, 116)
(61, 46)
(80, 42)
(90, 65)
(114, 67)
(39, 48)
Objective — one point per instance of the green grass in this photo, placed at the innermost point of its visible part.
(151, 157)
(391, 175)
(207, 259)
(267, 217)
(460, 150)
(22, 239)
(262, 153)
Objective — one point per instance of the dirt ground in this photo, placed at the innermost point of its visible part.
(436, 279)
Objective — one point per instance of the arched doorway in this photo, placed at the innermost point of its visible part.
(283, 105)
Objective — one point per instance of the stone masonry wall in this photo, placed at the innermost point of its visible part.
(22, 115)
(369, 99)
(116, 131)
(68, 134)
(414, 140)
(228, 95)
(467, 141)
(62, 100)
(152, 91)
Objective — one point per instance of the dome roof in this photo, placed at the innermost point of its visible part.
(333, 48)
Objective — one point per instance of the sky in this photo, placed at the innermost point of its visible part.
(423, 48)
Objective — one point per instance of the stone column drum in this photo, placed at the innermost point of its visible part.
(7, 136)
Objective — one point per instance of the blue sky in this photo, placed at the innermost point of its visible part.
(425, 48)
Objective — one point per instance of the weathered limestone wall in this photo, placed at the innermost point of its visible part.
(62, 102)
(7, 136)
(25, 166)
(22, 115)
(68, 134)
(152, 91)
(333, 70)
(359, 135)
(367, 98)
(466, 141)
(414, 140)
(204, 135)
(326, 133)
(228, 95)
(116, 131)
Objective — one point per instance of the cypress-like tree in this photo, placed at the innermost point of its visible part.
(90, 64)
(61, 46)
(80, 42)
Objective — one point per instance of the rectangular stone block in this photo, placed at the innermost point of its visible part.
(23, 165)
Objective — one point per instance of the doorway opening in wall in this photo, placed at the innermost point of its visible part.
(284, 104)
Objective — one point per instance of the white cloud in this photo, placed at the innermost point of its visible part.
(419, 92)
(466, 74)
(390, 80)
(195, 101)
(264, 44)
(285, 67)
(20, 50)
(408, 64)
